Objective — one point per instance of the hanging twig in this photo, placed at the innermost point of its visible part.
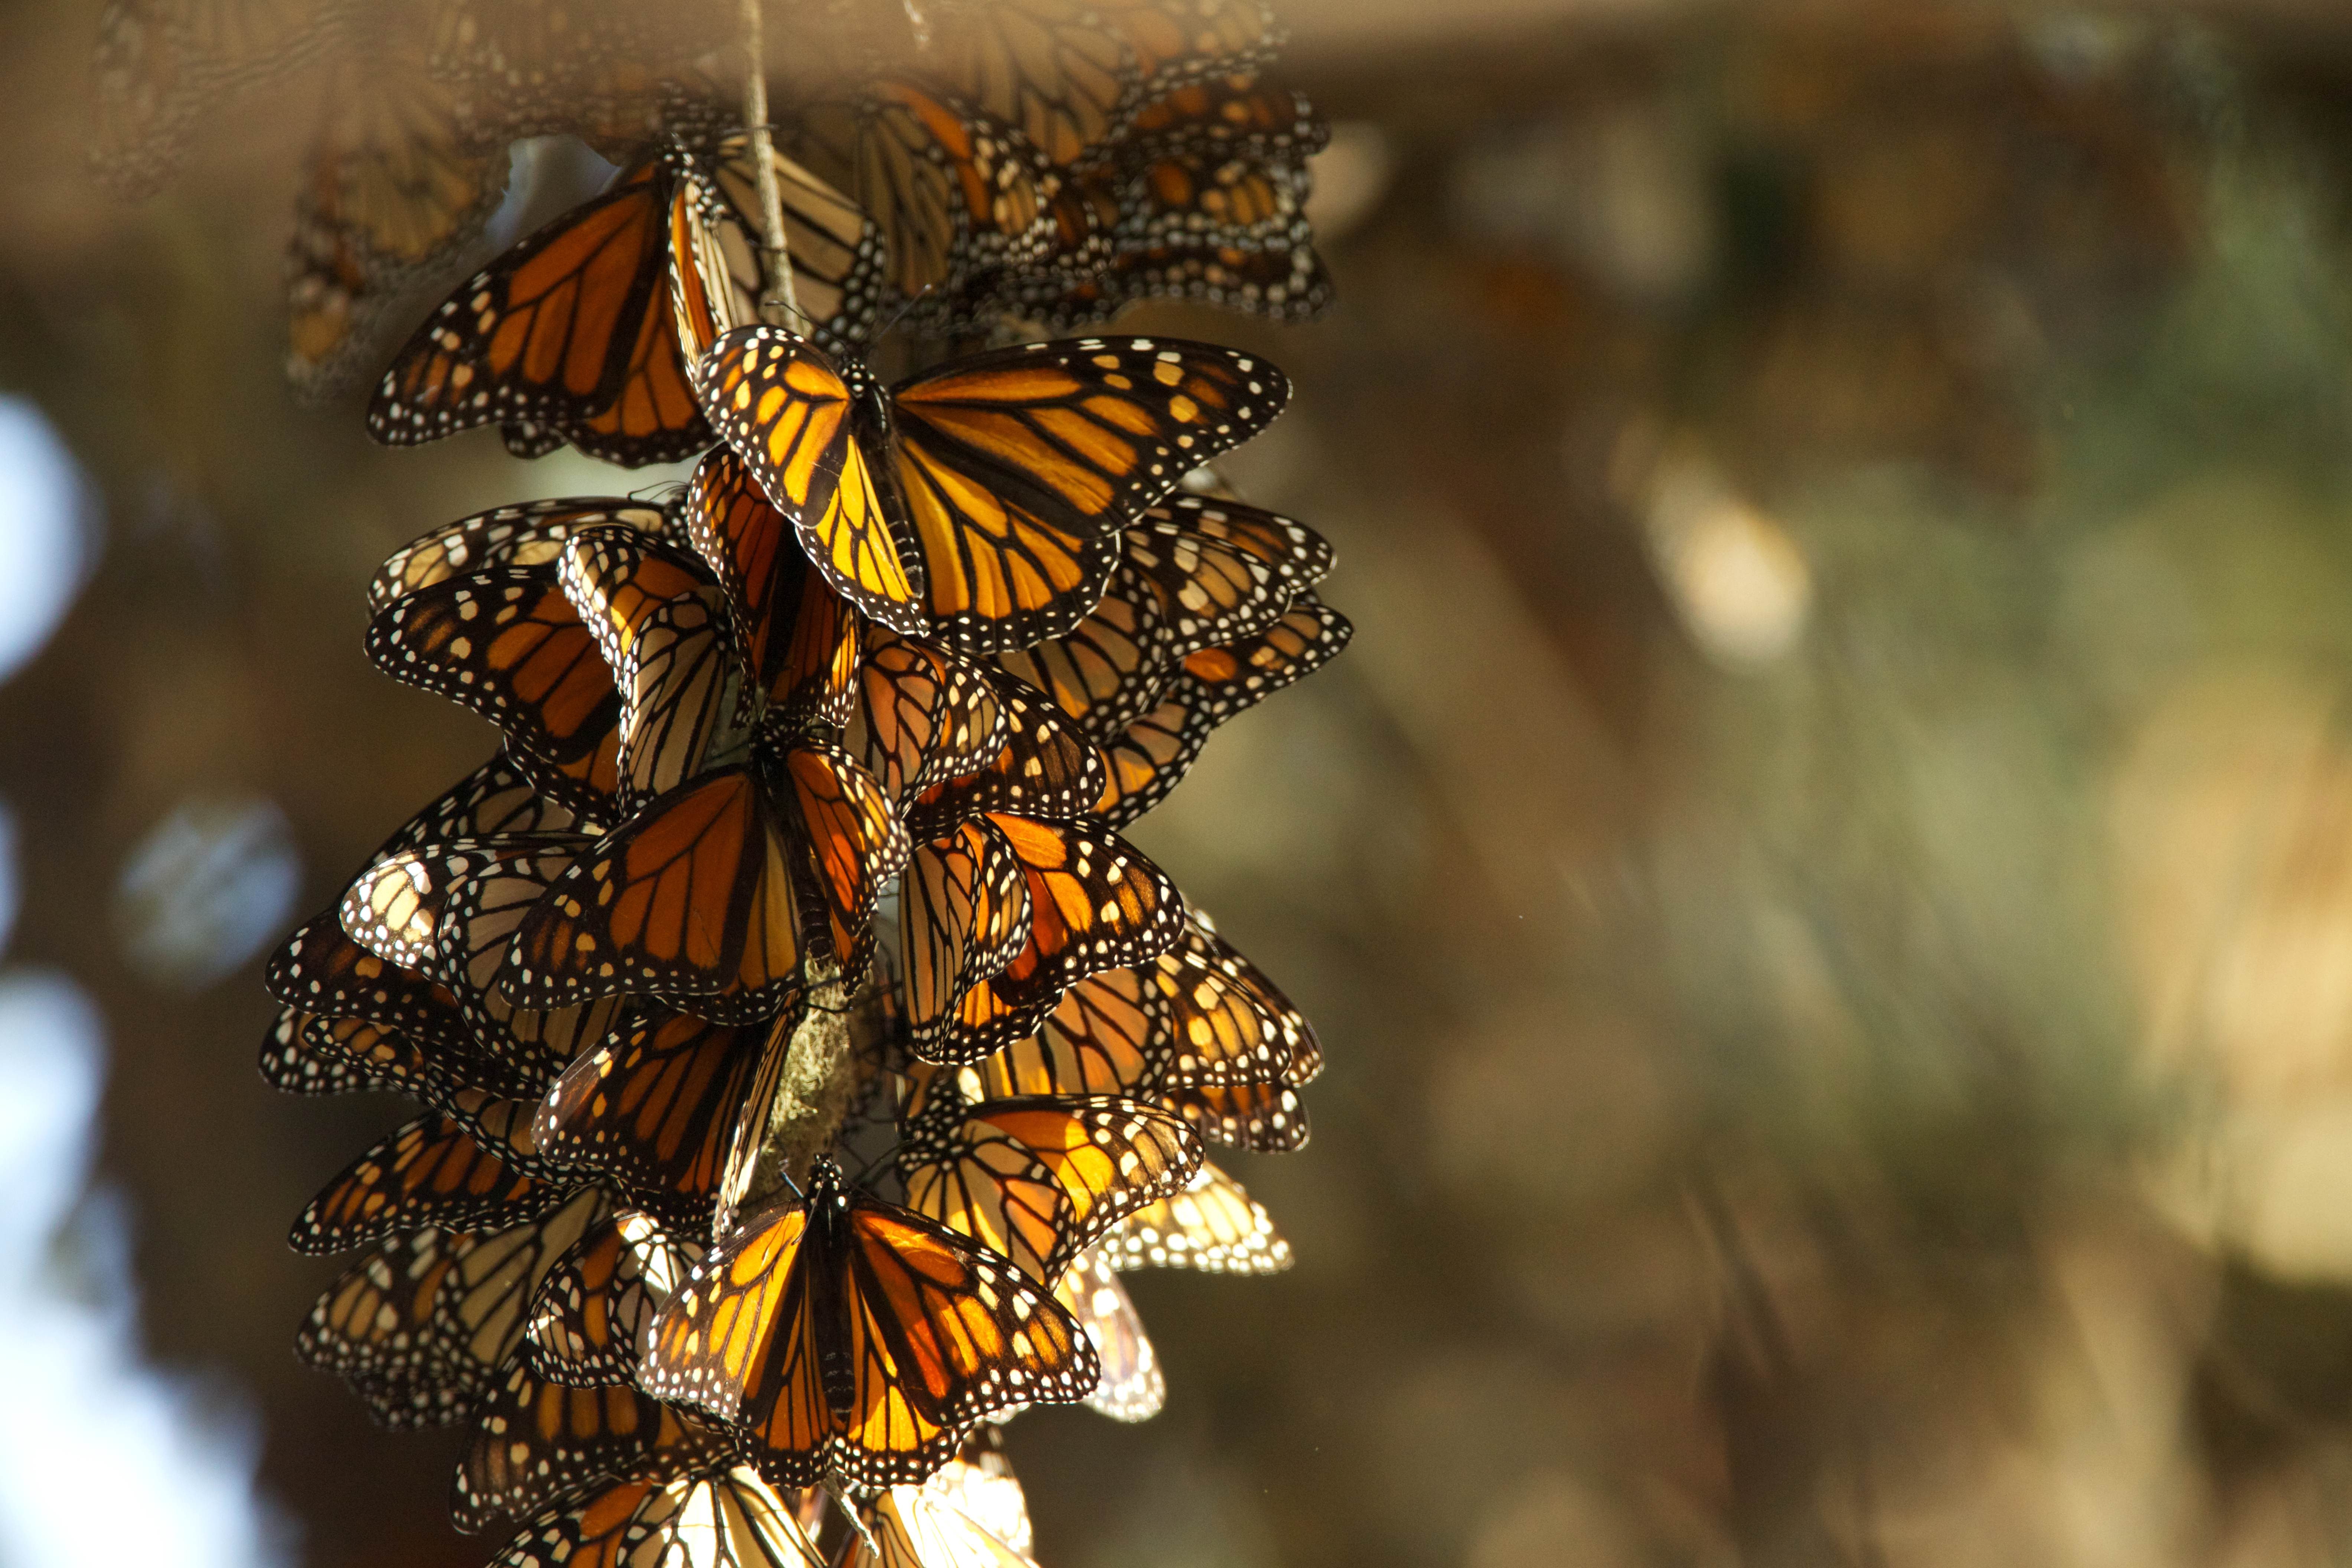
(780, 304)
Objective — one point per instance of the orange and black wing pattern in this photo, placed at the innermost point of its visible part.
(1220, 570)
(569, 334)
(920, 713)
(508, 644)
(1108, 669)
(658, 1109)
(963, 915)
(1095, 903)
(798, 637)
(323, 971)
(793, 415)
(528, 535)
(840, 264)
(1222, 681)
(1039, 1179)
(693, 899)
(851, 1338)
(954, 193)
(856, 841)
(538, 1443)
(431, 1172)
(1046, 768)
(593, 1311)
(1018, 468)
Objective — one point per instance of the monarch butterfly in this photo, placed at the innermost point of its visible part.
(596, 1307)
(1151, 756)
(1132, 1386)
(538, 1443)
(570, 336)
(1261, 1116)
(918, 1527)
(530, 534)
(669, 1112)
(430, 1171)
(727, 1518)
(325, 973)
(851, 1338)
(799, 639)
(636, 910)
(462, 1084)
(1212, 1224)
(980, 503)
(963, 916)
(660, 622)
(422, 1324)
(292, 1064)
(718, 274)
(530, 68)
(1193, 571)
(161, 64)
(1230, 233)
(497, 800)
(1094, 903)
(1106, 670)
(919, 714)
(393, 196)
(1232, 116)
(1074, 77)
(1038, 1179)
(451, 911)
(1198, 1015)
(1240, 675)
(1221, 569)
(508, 644)
(954, 191)
(1043, 769)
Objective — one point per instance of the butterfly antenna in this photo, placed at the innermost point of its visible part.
(892, 324)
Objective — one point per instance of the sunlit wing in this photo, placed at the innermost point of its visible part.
(1039, 1179)
(591, 1315)
(790, 412)
(731, 1519)
(1212, 1224)
(1132, 1387)
(799, 639)
(964, 914)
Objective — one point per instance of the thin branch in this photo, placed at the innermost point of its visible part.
(780, 304)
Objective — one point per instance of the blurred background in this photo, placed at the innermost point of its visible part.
(1825, 877)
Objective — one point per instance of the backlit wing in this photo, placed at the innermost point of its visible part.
(1212, 1224)
(692, 898)
(1038, 1180)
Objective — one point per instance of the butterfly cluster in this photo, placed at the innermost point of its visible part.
(1037, 160)
(801, 1052)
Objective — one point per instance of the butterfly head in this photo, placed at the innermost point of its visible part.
(827, 1188)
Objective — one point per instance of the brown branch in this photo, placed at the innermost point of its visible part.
(780, 304)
